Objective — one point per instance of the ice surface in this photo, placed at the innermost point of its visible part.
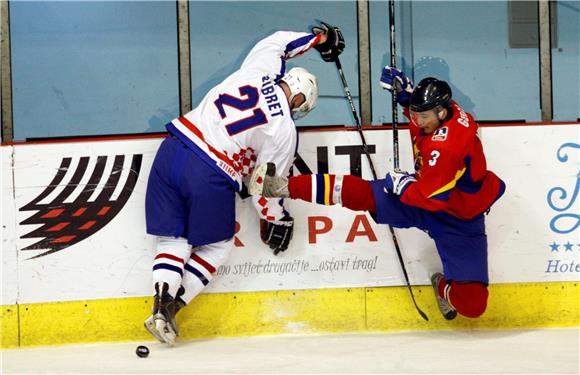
(542, 351)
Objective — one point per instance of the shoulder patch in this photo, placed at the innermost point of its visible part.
(440, 134)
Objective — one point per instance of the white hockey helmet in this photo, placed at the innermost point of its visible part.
(300, 81)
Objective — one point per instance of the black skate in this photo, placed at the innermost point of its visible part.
(161, 324)
(446, 309)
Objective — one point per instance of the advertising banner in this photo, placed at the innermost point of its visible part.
(74, 222)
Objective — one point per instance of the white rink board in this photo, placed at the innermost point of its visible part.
(116, 261)
(8, 253)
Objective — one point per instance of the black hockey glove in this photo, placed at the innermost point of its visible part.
(277, 234)
(334, 45)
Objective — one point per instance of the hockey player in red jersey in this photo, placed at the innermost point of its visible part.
(446, 196)
(245, 120)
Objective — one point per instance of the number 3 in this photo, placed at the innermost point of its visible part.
(434, 156)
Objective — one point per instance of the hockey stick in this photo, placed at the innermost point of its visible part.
(356, 119)
(395, 113)
(365, 148)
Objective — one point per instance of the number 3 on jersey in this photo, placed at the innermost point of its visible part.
(434, 156)
(247, 101)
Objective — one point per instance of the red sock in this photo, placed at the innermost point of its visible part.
(357, 194)
(300, 187)
(469, 299)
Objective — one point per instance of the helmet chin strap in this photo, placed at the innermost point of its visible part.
(297, 111)
(297, 115)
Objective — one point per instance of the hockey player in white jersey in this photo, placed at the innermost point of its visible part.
(246, 120)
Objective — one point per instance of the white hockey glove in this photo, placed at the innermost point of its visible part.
(403, 86)
(334, 44)
(277, 234)
(264, 182)
(398, 181)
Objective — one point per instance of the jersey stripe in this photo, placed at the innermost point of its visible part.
(319, 188)
(449, 185)
(299, 46)
(192, 137)
(199, 134)
(327, 190)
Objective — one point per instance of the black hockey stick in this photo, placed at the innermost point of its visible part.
(365, 147)
(393, 52)
(356, 119)
(395, 112)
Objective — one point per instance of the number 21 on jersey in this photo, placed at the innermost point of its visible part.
(247, 101)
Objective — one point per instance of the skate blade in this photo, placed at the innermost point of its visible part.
(149, 325)
(165, 331)
(450, 315)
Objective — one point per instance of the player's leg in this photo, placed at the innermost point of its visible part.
(166, 215)
(168, 269)
(462, 246)
(202, 265)
(466, 298)
(188, 197)
(198, 271)
(349, 191)
(209, 229)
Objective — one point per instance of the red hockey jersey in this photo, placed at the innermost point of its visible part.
(451, 170)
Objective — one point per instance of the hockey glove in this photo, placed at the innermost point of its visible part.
(334, 44)
(392, 77)
(277, 234)
(398, 181)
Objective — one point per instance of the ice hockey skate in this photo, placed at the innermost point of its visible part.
(150, 327)
(264, 182)
(446, 309)
(161, 324)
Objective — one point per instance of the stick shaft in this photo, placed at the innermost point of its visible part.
(356, 118)
(371, 164)
(393, 51)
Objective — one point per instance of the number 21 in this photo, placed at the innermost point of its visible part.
(242, 104)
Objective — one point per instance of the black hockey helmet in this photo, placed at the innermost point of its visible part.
(430, 93)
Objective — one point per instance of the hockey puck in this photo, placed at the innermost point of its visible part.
(142, 351)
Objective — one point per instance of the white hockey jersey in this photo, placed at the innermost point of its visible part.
(246, 120)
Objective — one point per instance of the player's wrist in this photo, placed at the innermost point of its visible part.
(323, 38)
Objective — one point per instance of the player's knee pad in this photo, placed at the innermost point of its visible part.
(469, 299)
(171, 256)
(202, 265)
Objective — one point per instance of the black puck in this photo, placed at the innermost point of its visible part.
(142, 351)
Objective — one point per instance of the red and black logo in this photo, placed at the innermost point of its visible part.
(67, 223)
